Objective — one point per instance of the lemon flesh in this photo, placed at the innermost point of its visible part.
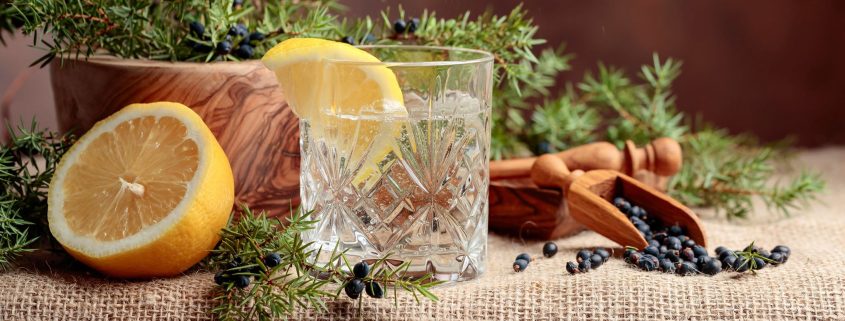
(349, 99)
(144, 193)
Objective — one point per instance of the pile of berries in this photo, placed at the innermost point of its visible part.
(357, 283)
(237, 273)
(670, 250)
(239, 34)
(588, 260)
(752, 257)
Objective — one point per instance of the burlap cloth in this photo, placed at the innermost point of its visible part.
(811, 286)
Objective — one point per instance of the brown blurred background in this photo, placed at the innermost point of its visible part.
(774, 68)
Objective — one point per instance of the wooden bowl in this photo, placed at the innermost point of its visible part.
(240, 101)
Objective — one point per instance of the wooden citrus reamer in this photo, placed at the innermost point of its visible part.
(589, 196)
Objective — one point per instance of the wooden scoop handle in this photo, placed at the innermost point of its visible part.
(551, 171)
(662, 156)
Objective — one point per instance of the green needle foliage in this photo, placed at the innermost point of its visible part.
(27, 164)
(721, 170)
(275, 292)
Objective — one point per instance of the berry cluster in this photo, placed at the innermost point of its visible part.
(588, 260)
(356, 284)
(670, 250)
(752, 257)
(237, 273)
(237, 34)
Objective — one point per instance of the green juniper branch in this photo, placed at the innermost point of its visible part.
(295, 282)
(27, 164)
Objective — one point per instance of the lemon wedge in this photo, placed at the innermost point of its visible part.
(349, 99)
(144, 193)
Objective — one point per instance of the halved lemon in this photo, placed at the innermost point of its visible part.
(144, 193)
(349, 99)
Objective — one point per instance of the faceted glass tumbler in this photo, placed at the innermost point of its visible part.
(405, 180)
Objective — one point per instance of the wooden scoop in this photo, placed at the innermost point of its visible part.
(662, 157)
(589, 196)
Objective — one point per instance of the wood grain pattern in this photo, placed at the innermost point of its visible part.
(240, 101)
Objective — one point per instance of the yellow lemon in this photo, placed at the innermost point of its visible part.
(144, 193)
(349, 99)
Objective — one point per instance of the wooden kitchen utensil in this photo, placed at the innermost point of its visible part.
(589, 196)
(662, 157)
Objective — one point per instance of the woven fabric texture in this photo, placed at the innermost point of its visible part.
(811, 286)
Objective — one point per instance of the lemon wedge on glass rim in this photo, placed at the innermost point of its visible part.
(144, 193)
(349, 98)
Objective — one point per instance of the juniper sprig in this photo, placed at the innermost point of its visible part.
(295, 282)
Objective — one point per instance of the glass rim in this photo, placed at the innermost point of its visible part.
(484, 56)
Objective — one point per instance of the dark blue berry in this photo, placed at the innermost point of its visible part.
(237, 3)
(667, 266)
(354, 288)
(544, 147)
(596, 260)
(233, 31)
(783, 249)
(663, 249)
(524, 256)
(605, 254)
(520, 265)
(646, 263)
(728, 261)
(673, 243)
(549, 249)
(571, 267)
(686, 268)
(361, 270)
(244, 51)
(256, 36)
(643, 228)
(585, 266)
(741, 265)
(374, 290)
(224, 47)
(583, 255)
(197, 29)
(688, 255)
(660, 237)
(688, 243)
(651, 250)
(638, 212)
(622, 205)
(634, 258)
(241, 281)
(711, 267)
(272, 260)
(242, 31)
(399, 26)
(628, 253)
(725, 253)
(219, 278)
(759, 263)
(673, 255)
(654, 243)
(676, 230)
(720, 249)
(702, 260)
(348, 40)
(413, 23)
(699, 250)
(776, 257)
